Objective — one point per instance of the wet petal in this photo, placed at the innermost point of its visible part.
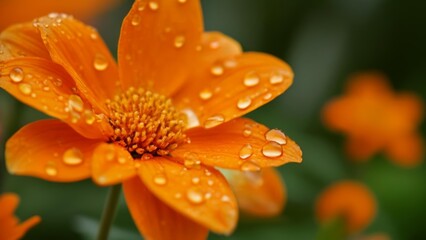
(239, 144)
(158, 44)
(82, 52)
(249, 81)
(112, 164)
(156, 220)
(21, 40)
(201, 194)
(45, 86)
(51, 150)
(258, 193)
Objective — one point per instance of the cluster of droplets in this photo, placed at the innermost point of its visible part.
(71, 157)
(145, 123)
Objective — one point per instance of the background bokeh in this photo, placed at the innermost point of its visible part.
(324, 41)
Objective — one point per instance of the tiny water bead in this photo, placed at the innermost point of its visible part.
(16, 75)
(194, 196)
(145, 123)
(244, 103)
(276, 79)
(51, 170)
(100, 63)
(251, 79)
(25, 88)
(179, 41)
(206, 94)
(246, 151)
(214, 121)
(160, 179)
(217, 70)
(136, 20)
(153, 5)
(73, 157)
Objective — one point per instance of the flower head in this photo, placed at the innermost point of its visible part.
(160, 121)
(376, 119)
(10, 228)
(349, 200)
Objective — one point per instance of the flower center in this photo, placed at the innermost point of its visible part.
(145, 123)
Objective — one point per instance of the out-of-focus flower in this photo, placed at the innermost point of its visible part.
(16, 11)
(159, 122)
(376, 119)
(376, 236)
(10, 228)
(261, 193)
(349, 200)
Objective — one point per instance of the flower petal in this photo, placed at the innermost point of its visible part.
(20, 230)
(363, 148)
(8, 203)
(156, 220)
(22, 40)
(51, 150)
(239, 144)
(258, 193)
(112, 164)
(201, 194)
(45, 86)
(82, 52)
(158, 43)
(406, 151)
(232, 87)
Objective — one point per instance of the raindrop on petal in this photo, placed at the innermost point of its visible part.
(51, 170)
(16, 75)
(206, 94)
(244, 103)
(276, 135)
(217, 70)
(272, 149)
(100, 63)
(179, 41)
(153, 5)
(214, 121)
(160, 179)
(25, 88)
(251, 79)
(75, 103)
(73, 156)
(246, 151)
(194, 196)
(276, 79)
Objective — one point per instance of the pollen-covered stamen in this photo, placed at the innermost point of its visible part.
(145, 123)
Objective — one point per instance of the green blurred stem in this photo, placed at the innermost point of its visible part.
(109, 212)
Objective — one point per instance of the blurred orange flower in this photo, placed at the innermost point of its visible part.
(377, 119)
(347, 199)
(15, 11)
(10, 228)
(159, 121)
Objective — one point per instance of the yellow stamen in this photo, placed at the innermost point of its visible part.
(145, 123)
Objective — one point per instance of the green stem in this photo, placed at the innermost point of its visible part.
(109, 212)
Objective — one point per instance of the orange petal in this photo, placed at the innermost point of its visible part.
(112, 164)
(406, 151)
(201, 194)
(8, 204)
(51, 150)
(158, 44)
(253, 80)
(347, 199)
(20, 230)
(45, 86)
(361, 149)
(369, 83)
(239, 144)
(21, 40)
(156, 220)
(411, 108)
(82, 52)
(258, 193)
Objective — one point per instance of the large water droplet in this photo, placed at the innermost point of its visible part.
(246, 151)
(251, 79)
(272, 149)
(194, 196)
(25, 88)
(276, 135)
(100, 63)
(276, 79)
(244, 103)
(206, 94)
(179, 41)
(249, 166)
(191, 118)
(16, 75)
(73, 156)
(160, 179)
(214, 121)
(75, 103)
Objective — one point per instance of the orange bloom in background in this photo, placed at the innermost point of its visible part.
(348, 199)
(376, 119)
(160, 121)
(10, 228)
(15, 11)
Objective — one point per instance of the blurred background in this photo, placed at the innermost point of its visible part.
(324, 41)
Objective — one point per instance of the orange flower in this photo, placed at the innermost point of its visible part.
(350, 200)
(160, 121)
(10, 229)
(375, 119)
(15, 11)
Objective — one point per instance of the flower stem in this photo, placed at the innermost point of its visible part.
(109, 212)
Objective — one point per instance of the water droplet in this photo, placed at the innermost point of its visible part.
(178, 195)
(122, 160)
(276, 135)
(225, 198)
(195, 180)
(153, 5)
(89, 117)
(214, 121)
(276, 79)
(25, 88)
(206, 94)
(208, 195)
(267, 96)
(179, 41)
(272, 149)
(75, 103)
(191, 118)
(16, 75)
(214, 44)
(247, 132)
(210, 182)
(181, 1)
(93, 35)
(251, 79)
(246, 151)
(244, 103)
(217, 70)
(136, 20)
(100, 63)
(230, 63)
(250, 166)
(160, 179)
(191, 160)
(51, 170)
(194, 196)
(73, 156)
